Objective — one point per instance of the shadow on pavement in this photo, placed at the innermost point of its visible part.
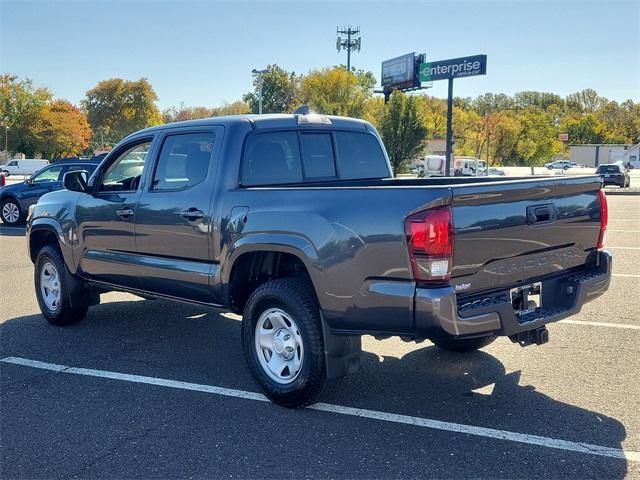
(191, 344)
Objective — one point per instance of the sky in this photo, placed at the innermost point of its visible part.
(201, 53)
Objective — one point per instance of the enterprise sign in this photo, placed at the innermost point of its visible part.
(453, 68)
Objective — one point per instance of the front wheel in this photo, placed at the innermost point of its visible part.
(462, 345)
(283, 342)
(52, 290)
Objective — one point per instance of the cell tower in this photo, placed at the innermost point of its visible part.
(352, 41)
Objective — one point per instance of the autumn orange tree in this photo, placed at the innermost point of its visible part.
(65, 130)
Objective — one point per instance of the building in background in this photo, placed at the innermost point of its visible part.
(437, 146)
(594, 154)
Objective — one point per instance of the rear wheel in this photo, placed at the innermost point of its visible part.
(283, 342)
(52, 289)
(10, 212)
(462, 345)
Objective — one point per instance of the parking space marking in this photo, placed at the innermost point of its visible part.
(625, 275)
(579, 447)
(602, 324)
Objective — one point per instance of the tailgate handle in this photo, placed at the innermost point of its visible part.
(541, 214)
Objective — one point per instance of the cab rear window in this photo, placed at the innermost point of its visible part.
(285, 157)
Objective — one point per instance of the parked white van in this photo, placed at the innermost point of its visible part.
(28, 166)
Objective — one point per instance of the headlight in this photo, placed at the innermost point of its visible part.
(31, 209)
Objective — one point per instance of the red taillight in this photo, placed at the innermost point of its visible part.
(604, 219)
(430, 242)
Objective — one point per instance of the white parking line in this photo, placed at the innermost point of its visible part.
(602, 324)
(548, 442)
(625, 275)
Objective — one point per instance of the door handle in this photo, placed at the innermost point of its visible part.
(192, 214)
(125, 213)
(541, 214)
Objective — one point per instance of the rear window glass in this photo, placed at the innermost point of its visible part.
(608, 169)
(317, 155)
(360, 156)
(272, 158)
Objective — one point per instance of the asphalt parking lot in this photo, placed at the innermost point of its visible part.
(152, 389)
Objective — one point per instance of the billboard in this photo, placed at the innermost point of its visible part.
(453, 68)
(399, 72)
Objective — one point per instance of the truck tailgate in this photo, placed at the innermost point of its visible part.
(507, 234)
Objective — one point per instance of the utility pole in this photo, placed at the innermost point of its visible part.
(259, 74)
(6, 139)
(352, 42)
(449, 147)
(486, 126)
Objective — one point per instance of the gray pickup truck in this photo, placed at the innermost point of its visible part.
(296, 222)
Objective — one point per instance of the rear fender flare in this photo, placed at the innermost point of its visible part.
(296, 245)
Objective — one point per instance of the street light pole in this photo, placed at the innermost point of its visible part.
(259, 74)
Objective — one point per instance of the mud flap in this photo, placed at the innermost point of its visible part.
(81, 294)
(341, 352)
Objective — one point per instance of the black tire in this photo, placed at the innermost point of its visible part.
(62, 313)
(462, 345)
(295, 297)
(16, 206)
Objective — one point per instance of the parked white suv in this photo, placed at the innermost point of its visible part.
(560, 165)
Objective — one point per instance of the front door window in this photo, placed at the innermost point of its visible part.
(124, 173)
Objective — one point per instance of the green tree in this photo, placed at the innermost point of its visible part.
(335, 91)
(280, 90)
(116, 107)
(505, 133)
(537, 139)
(489, 103)
(22, 107)
(585, 101)
(583, 129)
(434, 113)
(537, 100)
(402, 130)
(182, 113)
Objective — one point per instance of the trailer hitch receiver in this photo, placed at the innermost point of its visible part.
(538, 336)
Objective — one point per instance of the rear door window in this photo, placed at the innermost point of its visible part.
(317, 155)
(359, 155)
(184, 161)
(272, 158)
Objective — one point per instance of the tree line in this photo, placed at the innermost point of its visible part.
(517, 130)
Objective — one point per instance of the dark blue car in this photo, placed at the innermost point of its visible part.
(16, 198)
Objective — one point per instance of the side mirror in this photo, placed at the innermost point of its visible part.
(76, 181)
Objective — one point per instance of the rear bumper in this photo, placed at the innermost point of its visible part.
(439, 314)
